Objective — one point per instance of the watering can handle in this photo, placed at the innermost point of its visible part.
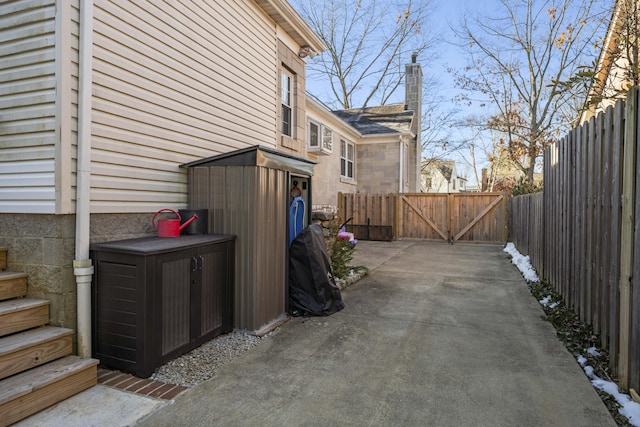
(153, 220)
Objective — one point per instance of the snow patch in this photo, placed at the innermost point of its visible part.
(592, 351)
(522, 262)
(628, 407)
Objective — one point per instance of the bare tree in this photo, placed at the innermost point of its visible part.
(368, 44)
(486, 155)
(517, 61)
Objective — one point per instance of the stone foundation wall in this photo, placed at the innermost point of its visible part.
(108, 227)
(327, 221)
(43, 246)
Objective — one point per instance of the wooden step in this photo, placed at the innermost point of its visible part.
(26, 350)
(25, 394)
(12, 285)
(21, 314)
(3, 258)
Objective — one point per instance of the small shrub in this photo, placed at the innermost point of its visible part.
(341, 253)
(525, 187)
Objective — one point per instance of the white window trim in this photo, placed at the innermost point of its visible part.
(319, 135)
(322, 145)
(344, 157)
(291, 105)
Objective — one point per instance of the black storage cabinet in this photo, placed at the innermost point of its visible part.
(157, 298)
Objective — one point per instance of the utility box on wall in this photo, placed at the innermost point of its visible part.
(248, 193)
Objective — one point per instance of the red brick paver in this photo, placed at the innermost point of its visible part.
(146, 387)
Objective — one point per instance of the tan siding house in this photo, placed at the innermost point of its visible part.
(101, 106)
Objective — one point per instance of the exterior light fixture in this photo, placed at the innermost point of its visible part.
(307, 51)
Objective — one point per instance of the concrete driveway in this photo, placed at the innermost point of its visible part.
(435, 335)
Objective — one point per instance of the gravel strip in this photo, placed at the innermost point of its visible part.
(201, 363)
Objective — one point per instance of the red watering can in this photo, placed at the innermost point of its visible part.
(170, 227)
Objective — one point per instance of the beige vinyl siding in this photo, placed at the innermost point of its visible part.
(174, 82)
(67, 57)
(27, 104)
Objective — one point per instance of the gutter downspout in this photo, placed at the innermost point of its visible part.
(401, 168)
(82, 266)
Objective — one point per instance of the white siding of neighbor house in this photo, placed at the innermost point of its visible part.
(33, 122)
(174, 82)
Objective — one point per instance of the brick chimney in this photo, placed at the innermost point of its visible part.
(413, 92)
(413, 101)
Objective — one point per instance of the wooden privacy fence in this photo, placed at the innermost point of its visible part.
(470, 217)
(524, 225)
(371, 216)
(583, 233)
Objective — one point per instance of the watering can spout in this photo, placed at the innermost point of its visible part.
(189, 221)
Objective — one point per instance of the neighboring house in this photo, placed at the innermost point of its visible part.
(367, 150)
(441, 176)
(612, 79)
(101, 104)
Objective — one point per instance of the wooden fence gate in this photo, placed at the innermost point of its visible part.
(470, 217)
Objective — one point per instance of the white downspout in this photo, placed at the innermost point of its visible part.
(82, 267)
(401, 168)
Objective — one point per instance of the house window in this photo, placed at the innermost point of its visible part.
(327, 139)
(286, 87)
(347, 154)
(314, 135)
(320, 138)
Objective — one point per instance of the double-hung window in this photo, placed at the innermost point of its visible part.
(286, 100)
(347, 157)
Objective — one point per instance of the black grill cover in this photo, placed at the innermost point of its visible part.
(312, 288)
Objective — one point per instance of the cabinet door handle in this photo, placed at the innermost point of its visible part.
(194, 264)
(201, 258)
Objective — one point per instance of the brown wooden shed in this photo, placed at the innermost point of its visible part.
(248, 194)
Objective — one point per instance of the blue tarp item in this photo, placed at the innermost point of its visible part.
(296, 218)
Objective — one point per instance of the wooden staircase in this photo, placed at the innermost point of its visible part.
(37, 369)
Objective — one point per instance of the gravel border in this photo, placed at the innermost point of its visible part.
(201, 364)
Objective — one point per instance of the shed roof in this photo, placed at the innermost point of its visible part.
(392, 118)
(258, 155)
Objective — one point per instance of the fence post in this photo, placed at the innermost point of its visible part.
(627, 235)
(505, 212)
(399, 208)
